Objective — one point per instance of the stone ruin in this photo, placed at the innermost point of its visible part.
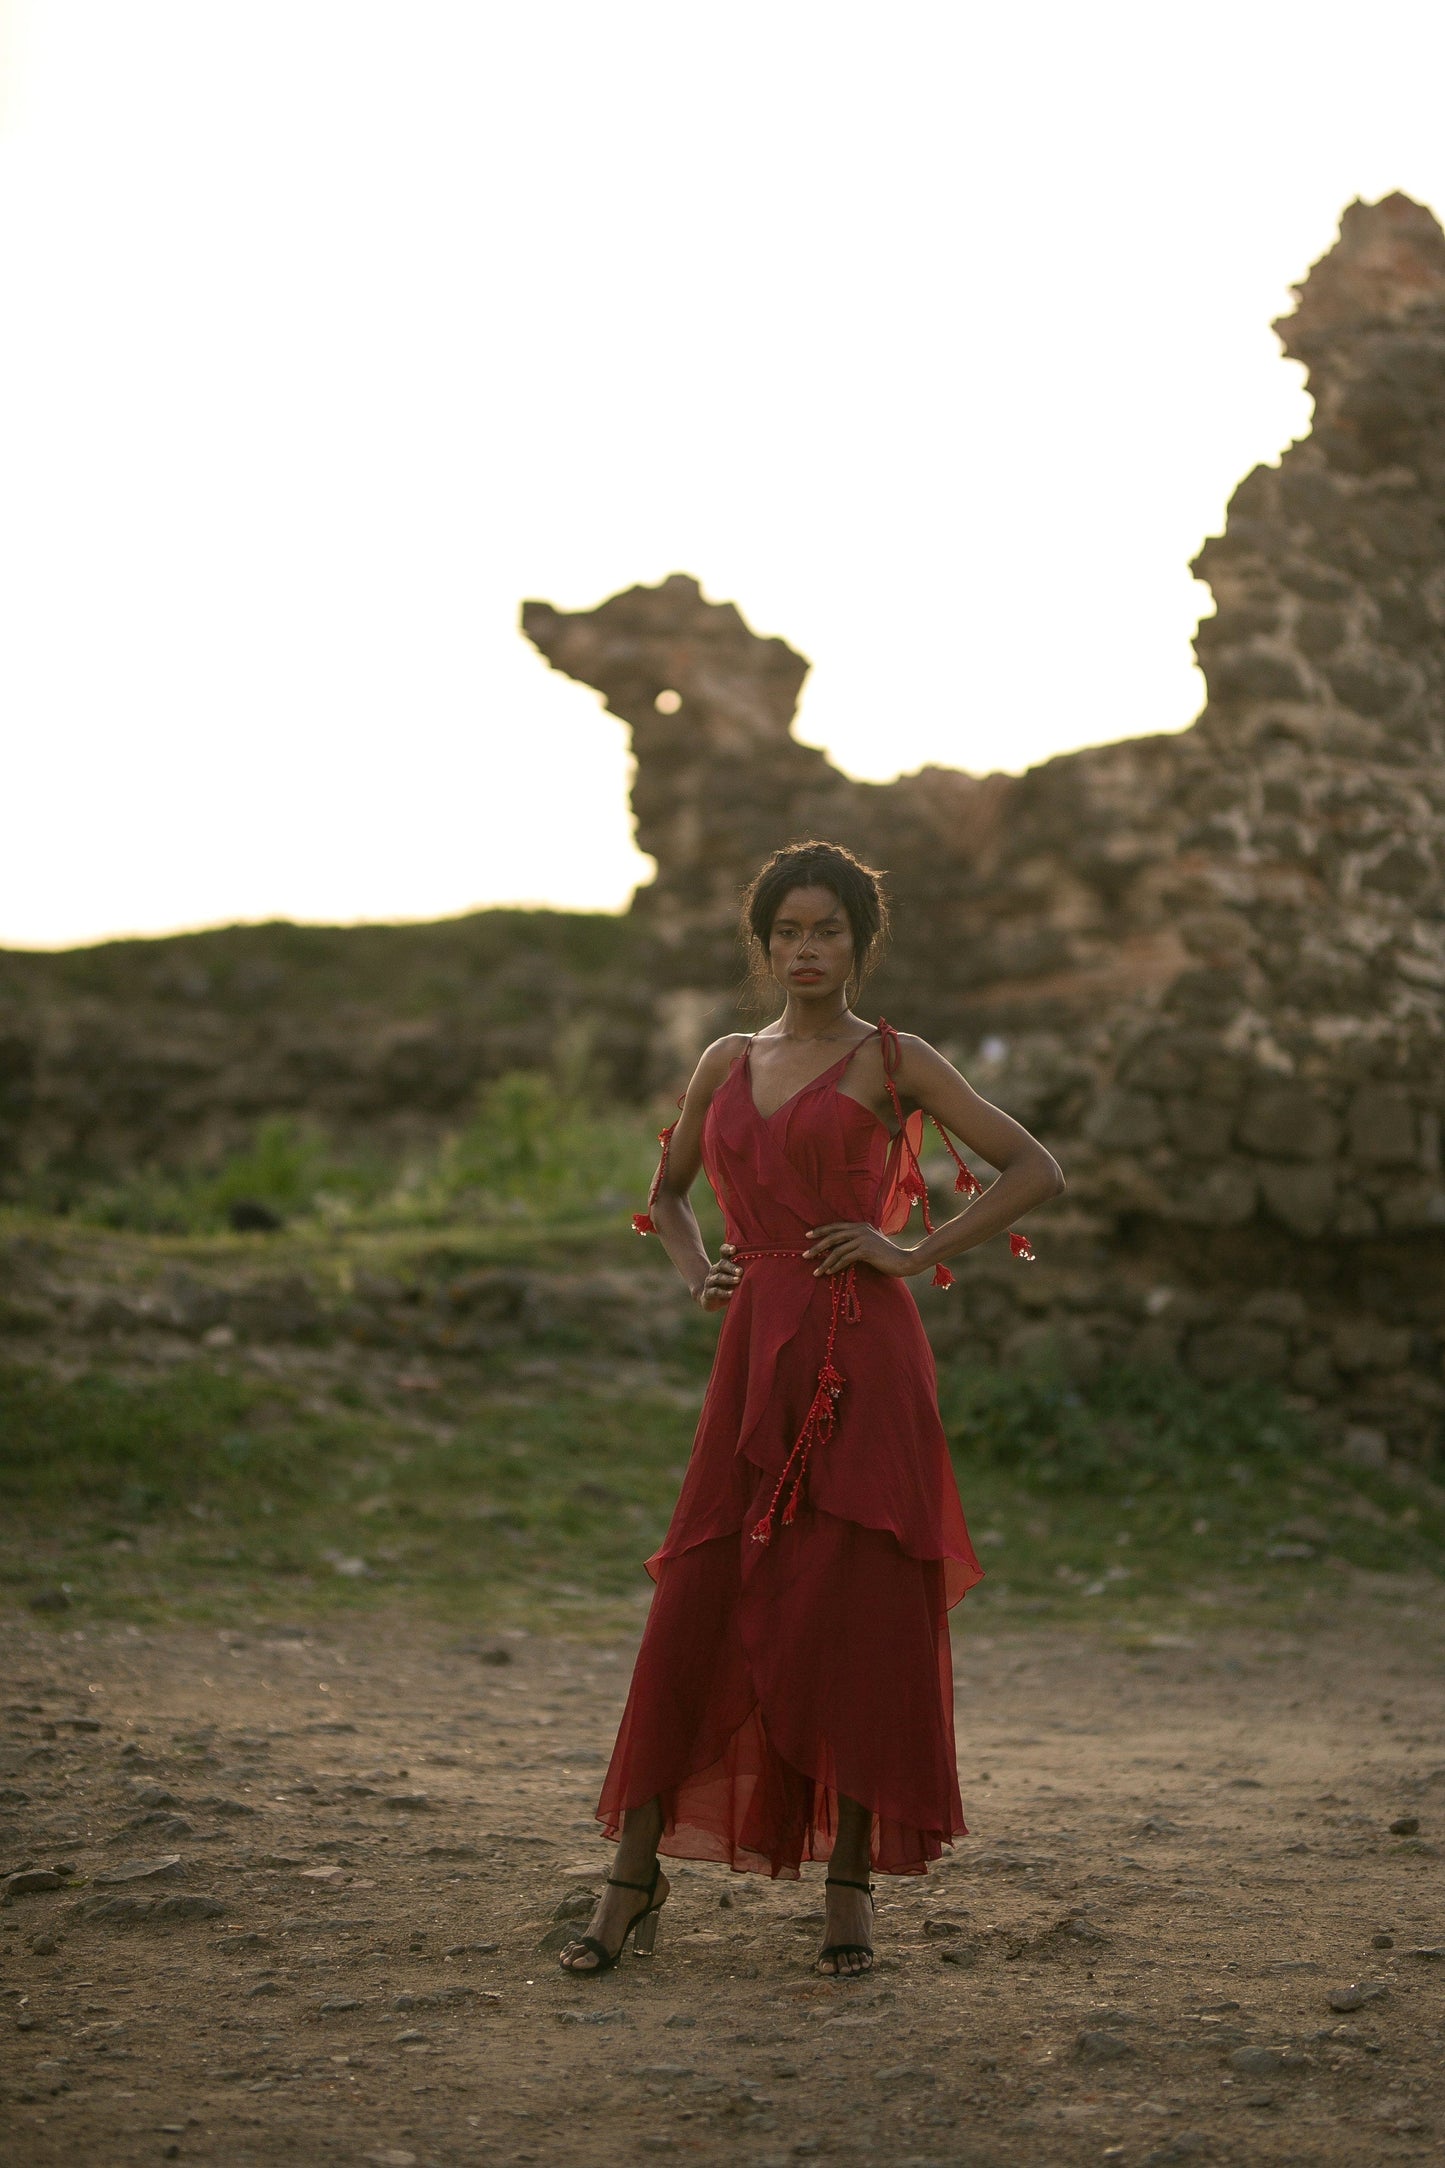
(1207, 968)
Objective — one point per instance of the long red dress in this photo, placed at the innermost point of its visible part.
(797, 1643)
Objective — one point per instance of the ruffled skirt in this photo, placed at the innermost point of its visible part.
(772, 1681)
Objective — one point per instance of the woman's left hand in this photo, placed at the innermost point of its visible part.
(854, 1242)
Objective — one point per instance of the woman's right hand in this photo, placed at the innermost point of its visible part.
(722, 1279)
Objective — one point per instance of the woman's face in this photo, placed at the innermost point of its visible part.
(810, 949)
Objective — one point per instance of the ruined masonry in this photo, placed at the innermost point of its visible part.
(1207, 968)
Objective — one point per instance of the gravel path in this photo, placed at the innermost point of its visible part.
(299, 1891)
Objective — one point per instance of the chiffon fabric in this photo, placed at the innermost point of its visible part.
(788, 1661)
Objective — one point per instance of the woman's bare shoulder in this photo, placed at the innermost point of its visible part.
(716, 1060)
(914, 1048)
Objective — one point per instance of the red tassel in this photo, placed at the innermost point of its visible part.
(942, 1277)
(643, 1222)
(968, 1184)
(822, 1416)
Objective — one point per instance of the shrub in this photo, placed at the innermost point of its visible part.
(1128, 1428)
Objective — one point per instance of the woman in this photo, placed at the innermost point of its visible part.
(793, 1694)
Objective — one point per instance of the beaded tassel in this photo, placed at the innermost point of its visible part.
(822, 1416)
(912, 1183)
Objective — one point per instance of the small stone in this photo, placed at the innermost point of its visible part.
(1357, 1995)
(497, 1655)
(29, 1883)
(578, 1904)
(325, 1874)
(474, 1949)
(115, 1911)
(410, 2039)
(82, 1723)
(408, 1802)
(160, 1824)
(1101, 2046)
(1405, 1825)
(250, 1216)
(963, 1954)
(1426, 1953)
(338, 2005)
(147, 1793)
(187, 1905)
(1382, 1942)
(44, 1945)
(1079, 1929)
(230, 1807)
(55, 1598)
(905, 2075)
(264, 1987)
(1188, 2145)
(167, 1868)
(945, 1929)
(1258, 2062)
(680, 2021)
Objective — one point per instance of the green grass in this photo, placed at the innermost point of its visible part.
(530, 1486)
(536, 1146)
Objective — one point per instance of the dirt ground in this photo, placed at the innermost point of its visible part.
(358, 1840)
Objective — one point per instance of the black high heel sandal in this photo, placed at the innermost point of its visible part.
(642, 1927)
(837, 1950)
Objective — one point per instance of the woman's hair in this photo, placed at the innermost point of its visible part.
(858, 888)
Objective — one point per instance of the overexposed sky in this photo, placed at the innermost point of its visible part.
(935, 336)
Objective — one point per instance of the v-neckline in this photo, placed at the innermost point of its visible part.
(765, 1119)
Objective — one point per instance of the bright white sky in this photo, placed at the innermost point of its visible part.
(934, 335)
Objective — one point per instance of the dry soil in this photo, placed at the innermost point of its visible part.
(309, 1887)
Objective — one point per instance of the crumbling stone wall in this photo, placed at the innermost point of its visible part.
(1207, 968)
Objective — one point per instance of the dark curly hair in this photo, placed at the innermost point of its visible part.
(858, 888)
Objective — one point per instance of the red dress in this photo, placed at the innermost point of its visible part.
(797, 1643)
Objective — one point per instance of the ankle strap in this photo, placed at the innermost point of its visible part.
(646, 1888)
(838, 1881)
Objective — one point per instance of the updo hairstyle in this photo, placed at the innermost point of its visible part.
(859, 890)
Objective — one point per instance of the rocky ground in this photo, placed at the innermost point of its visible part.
(294, 1894)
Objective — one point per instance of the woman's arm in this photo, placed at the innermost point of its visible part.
(1027, 1173)
(672, 1213)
